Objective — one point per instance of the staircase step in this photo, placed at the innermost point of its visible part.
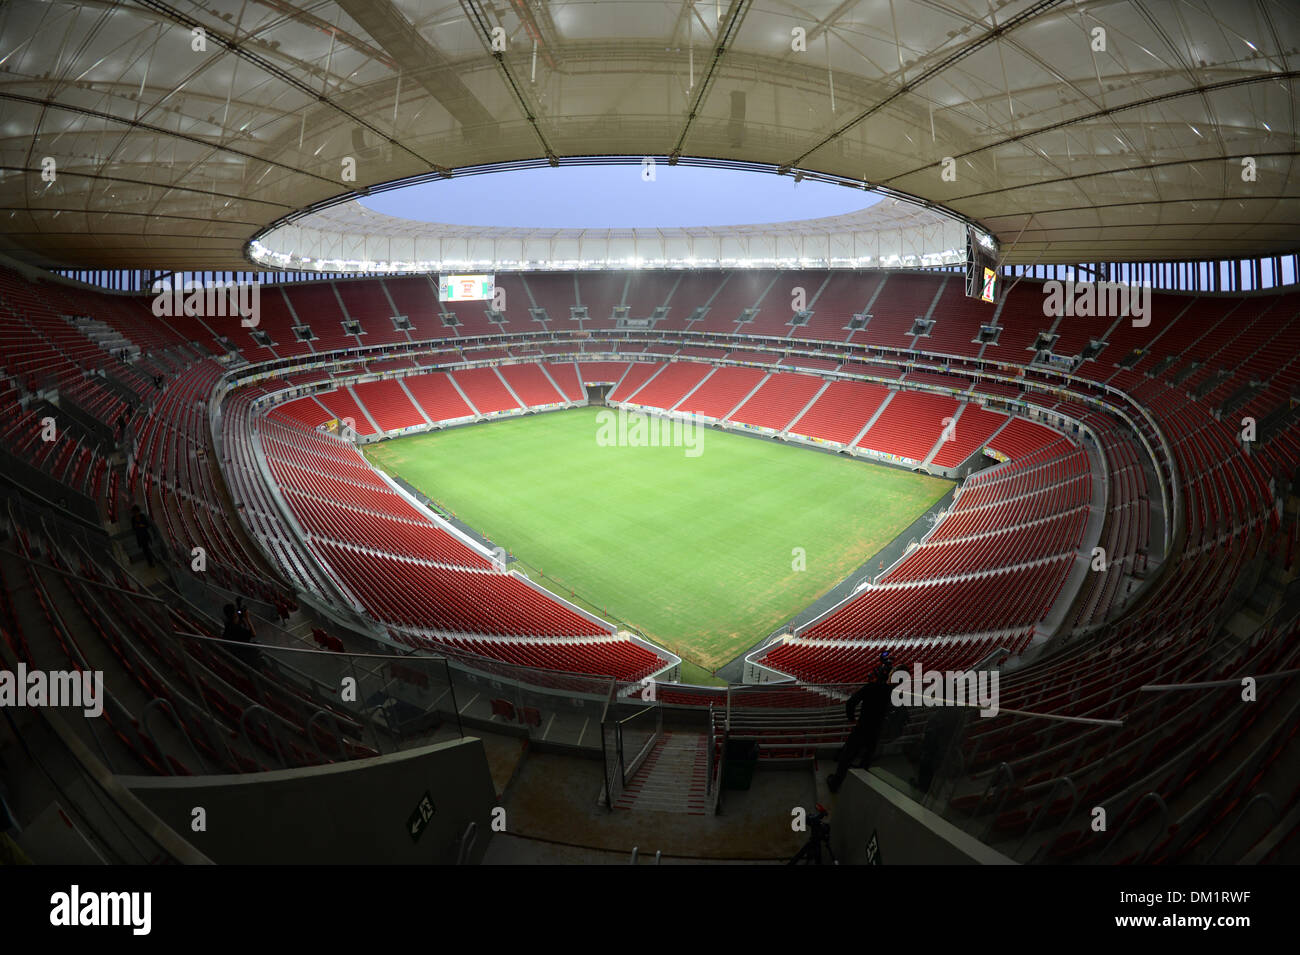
(673, 777)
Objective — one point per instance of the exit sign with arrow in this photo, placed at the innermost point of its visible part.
(419, 819)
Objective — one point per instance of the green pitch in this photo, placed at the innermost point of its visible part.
(696, 552)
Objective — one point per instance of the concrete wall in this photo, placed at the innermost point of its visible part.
(348, 813)
(905, 832)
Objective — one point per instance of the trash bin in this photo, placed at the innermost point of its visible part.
(741, 760)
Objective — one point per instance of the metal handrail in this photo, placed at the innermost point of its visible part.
(1128, 824)
(722, 757)
(605, 766)
(708, 782)
(1267, 797)
(164, 704)
(275, 740)
(622, 761)
(467, 840)
(1047, 808)
(625, 768)
(1003, 768)
(89, 581)
(633, 716)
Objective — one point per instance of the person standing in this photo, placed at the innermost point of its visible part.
(239, 627)
(143, 532)
(873, 701)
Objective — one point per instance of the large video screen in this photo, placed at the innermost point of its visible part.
(981, 266)
(465, 288)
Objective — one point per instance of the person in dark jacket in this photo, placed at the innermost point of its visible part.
(239, 627)
(143, 531)
(873, 699)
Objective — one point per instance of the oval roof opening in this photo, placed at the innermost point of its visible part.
(619, 196)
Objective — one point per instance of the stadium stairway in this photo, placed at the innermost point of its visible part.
(673, 776)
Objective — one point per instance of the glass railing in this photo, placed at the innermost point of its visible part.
(386, 702)
(631, 724)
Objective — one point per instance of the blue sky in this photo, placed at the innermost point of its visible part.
(604, 197)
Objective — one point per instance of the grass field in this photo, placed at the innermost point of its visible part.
(696, 552)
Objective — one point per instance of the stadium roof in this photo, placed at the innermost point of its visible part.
(1150, 129)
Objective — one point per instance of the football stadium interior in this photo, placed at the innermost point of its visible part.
(335, 530)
